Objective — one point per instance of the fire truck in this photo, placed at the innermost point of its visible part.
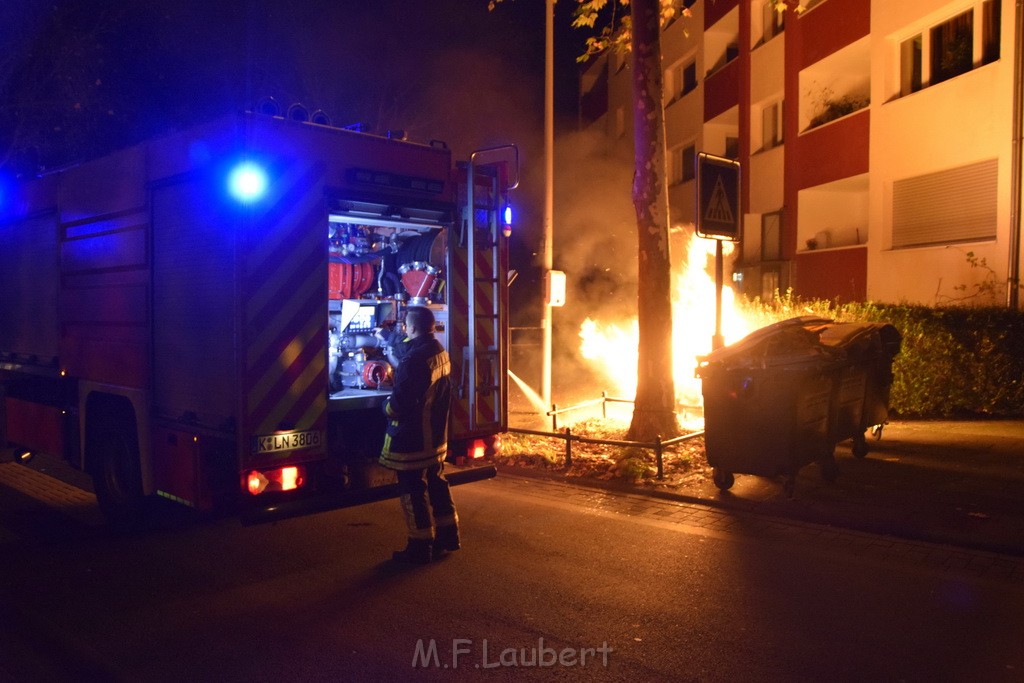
(193, 318)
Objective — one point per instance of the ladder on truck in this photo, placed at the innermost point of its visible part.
(483, 385)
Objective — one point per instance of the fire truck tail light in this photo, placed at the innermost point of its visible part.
(289, 478)
(477, 449)
(257, 483)
(281, 479)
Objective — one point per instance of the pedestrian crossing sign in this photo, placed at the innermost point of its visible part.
(718, 198)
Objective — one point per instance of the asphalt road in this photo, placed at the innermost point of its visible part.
(952, 482)
(641, 588)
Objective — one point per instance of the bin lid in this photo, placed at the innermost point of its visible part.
(859, 339)
(805, 339)
(788, 342)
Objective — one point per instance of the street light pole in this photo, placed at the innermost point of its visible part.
(549, 192)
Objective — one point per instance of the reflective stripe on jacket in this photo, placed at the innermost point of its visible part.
(417, 410)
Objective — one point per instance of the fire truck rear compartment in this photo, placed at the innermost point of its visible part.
(377, 267)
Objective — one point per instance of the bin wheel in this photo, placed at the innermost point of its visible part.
(860, 446)
(723, 480)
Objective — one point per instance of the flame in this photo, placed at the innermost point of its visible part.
(612, 347)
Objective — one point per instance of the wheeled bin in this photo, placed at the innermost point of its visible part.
(863, 355)
(767, 401)
(786, 394)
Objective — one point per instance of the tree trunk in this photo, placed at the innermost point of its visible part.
(654, 411)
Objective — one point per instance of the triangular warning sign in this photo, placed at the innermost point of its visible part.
(719, 210)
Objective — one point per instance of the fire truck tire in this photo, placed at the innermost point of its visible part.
(117, 479)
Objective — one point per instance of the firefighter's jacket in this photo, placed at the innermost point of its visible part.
(417, 410)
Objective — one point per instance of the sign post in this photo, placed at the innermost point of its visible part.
(719, 217)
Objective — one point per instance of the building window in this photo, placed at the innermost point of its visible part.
(952, 47)
(955, 205)
(771, 125)
(732, 148)
(682, 79)
(773, 21)
(689, 76)
(682, 160)
(910, 65)
(770, 284)
(990, 25)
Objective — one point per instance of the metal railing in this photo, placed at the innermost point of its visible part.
(658, 445)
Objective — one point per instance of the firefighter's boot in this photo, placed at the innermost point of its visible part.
(417, 551)
(446, 539)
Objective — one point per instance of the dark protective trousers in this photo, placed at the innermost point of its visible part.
(416, 486)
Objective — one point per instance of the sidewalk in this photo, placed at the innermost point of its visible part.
(953, 482)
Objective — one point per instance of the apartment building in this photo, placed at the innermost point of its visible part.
(879, 141)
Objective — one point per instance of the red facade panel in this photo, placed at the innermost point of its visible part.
(722, 90)
(831, 26)
(839, 274)
(831, 152)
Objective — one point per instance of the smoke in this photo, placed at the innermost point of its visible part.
(595, 244)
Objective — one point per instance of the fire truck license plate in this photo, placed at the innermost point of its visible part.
(288, 441)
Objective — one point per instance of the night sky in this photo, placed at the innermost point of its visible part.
(79, 78)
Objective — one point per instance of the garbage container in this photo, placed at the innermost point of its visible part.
(786, 394)
(863, 373)
(767, 403)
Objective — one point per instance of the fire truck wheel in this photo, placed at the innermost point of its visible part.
(117, 479)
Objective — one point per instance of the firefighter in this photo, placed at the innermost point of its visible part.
(417, 441)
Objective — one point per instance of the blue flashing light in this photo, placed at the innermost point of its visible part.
(247, 182)
(507, 215)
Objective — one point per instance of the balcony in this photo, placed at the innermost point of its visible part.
(722, 90)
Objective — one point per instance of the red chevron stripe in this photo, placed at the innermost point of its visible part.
(269, 268)
(268, 225)
(313, 392)
(298, 321)
(284, 387)
(301, 271)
